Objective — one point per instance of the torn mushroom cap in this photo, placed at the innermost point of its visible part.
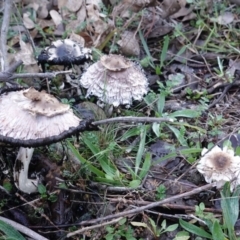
(64, 52)
(219, 166)
(115, 80)
(30, 118)
(62, 48)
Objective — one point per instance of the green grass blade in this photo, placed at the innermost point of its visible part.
(81, 159)
(141, 148)
(10, 232)
(146, 165)
(163, 55)
(179, 135)
(145, 46)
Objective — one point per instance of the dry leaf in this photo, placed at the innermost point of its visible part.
(74, 5)
(27, 21)
(25, 54)
(78, 39)
(129, 44)
(56, 17)
(225, 18)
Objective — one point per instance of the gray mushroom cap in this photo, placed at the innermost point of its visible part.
(30, 118)
(115, 80)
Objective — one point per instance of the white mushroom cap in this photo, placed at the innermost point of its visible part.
(115, 80)
(30, 118)
(219, 166)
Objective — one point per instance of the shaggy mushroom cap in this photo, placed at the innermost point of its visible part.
(115, 80)
(30, 118)
(219, 166)
(64, 52)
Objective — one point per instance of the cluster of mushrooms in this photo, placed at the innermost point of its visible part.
(38, 118)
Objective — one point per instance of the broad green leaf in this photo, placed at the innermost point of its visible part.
(146, 165)
(230, 208)
(134, 183)
(140, 148)
(182, 235)
(10, 232)
(171, 228)
(122, 221)
(194, 229)
(139, 224)
(217, 232)
(41, 189)
(155, 128)
(188, 113)
(161, 103)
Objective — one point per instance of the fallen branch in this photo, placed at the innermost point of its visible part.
(133, 120)
(143, 208)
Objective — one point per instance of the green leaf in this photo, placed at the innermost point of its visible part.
(178, 135)
(41, 189)
(188, 113)
(145, 46)
(84, 161)
(155, 128)
(184, 152)
(122, 221)
(194, 229)
(182, 235)
(141, 148)
(135, 131)
(146, 165)
(164, 50)
(139, 224)
(134, 183)
(217, 232)
(230, 208)
(10, 232)
(161, 102)
(171, 228)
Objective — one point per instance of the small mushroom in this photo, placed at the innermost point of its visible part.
(64, 52)
(115, 80)
(219, 166)
(29, 119)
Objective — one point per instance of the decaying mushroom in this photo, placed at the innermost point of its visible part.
(29, 119)
(115, 80)
(64, 52)
(219, 166)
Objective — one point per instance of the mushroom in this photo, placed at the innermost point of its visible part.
(30, 118)
(220, 166)
(115, 80)
(64, 52)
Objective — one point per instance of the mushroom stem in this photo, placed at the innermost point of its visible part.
(21, 166)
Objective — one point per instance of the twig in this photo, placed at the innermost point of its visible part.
(40, 75)
(93, 227)
(132, 119)
(222, 95)
(149, 206)
(4, 31)
(23, 229)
